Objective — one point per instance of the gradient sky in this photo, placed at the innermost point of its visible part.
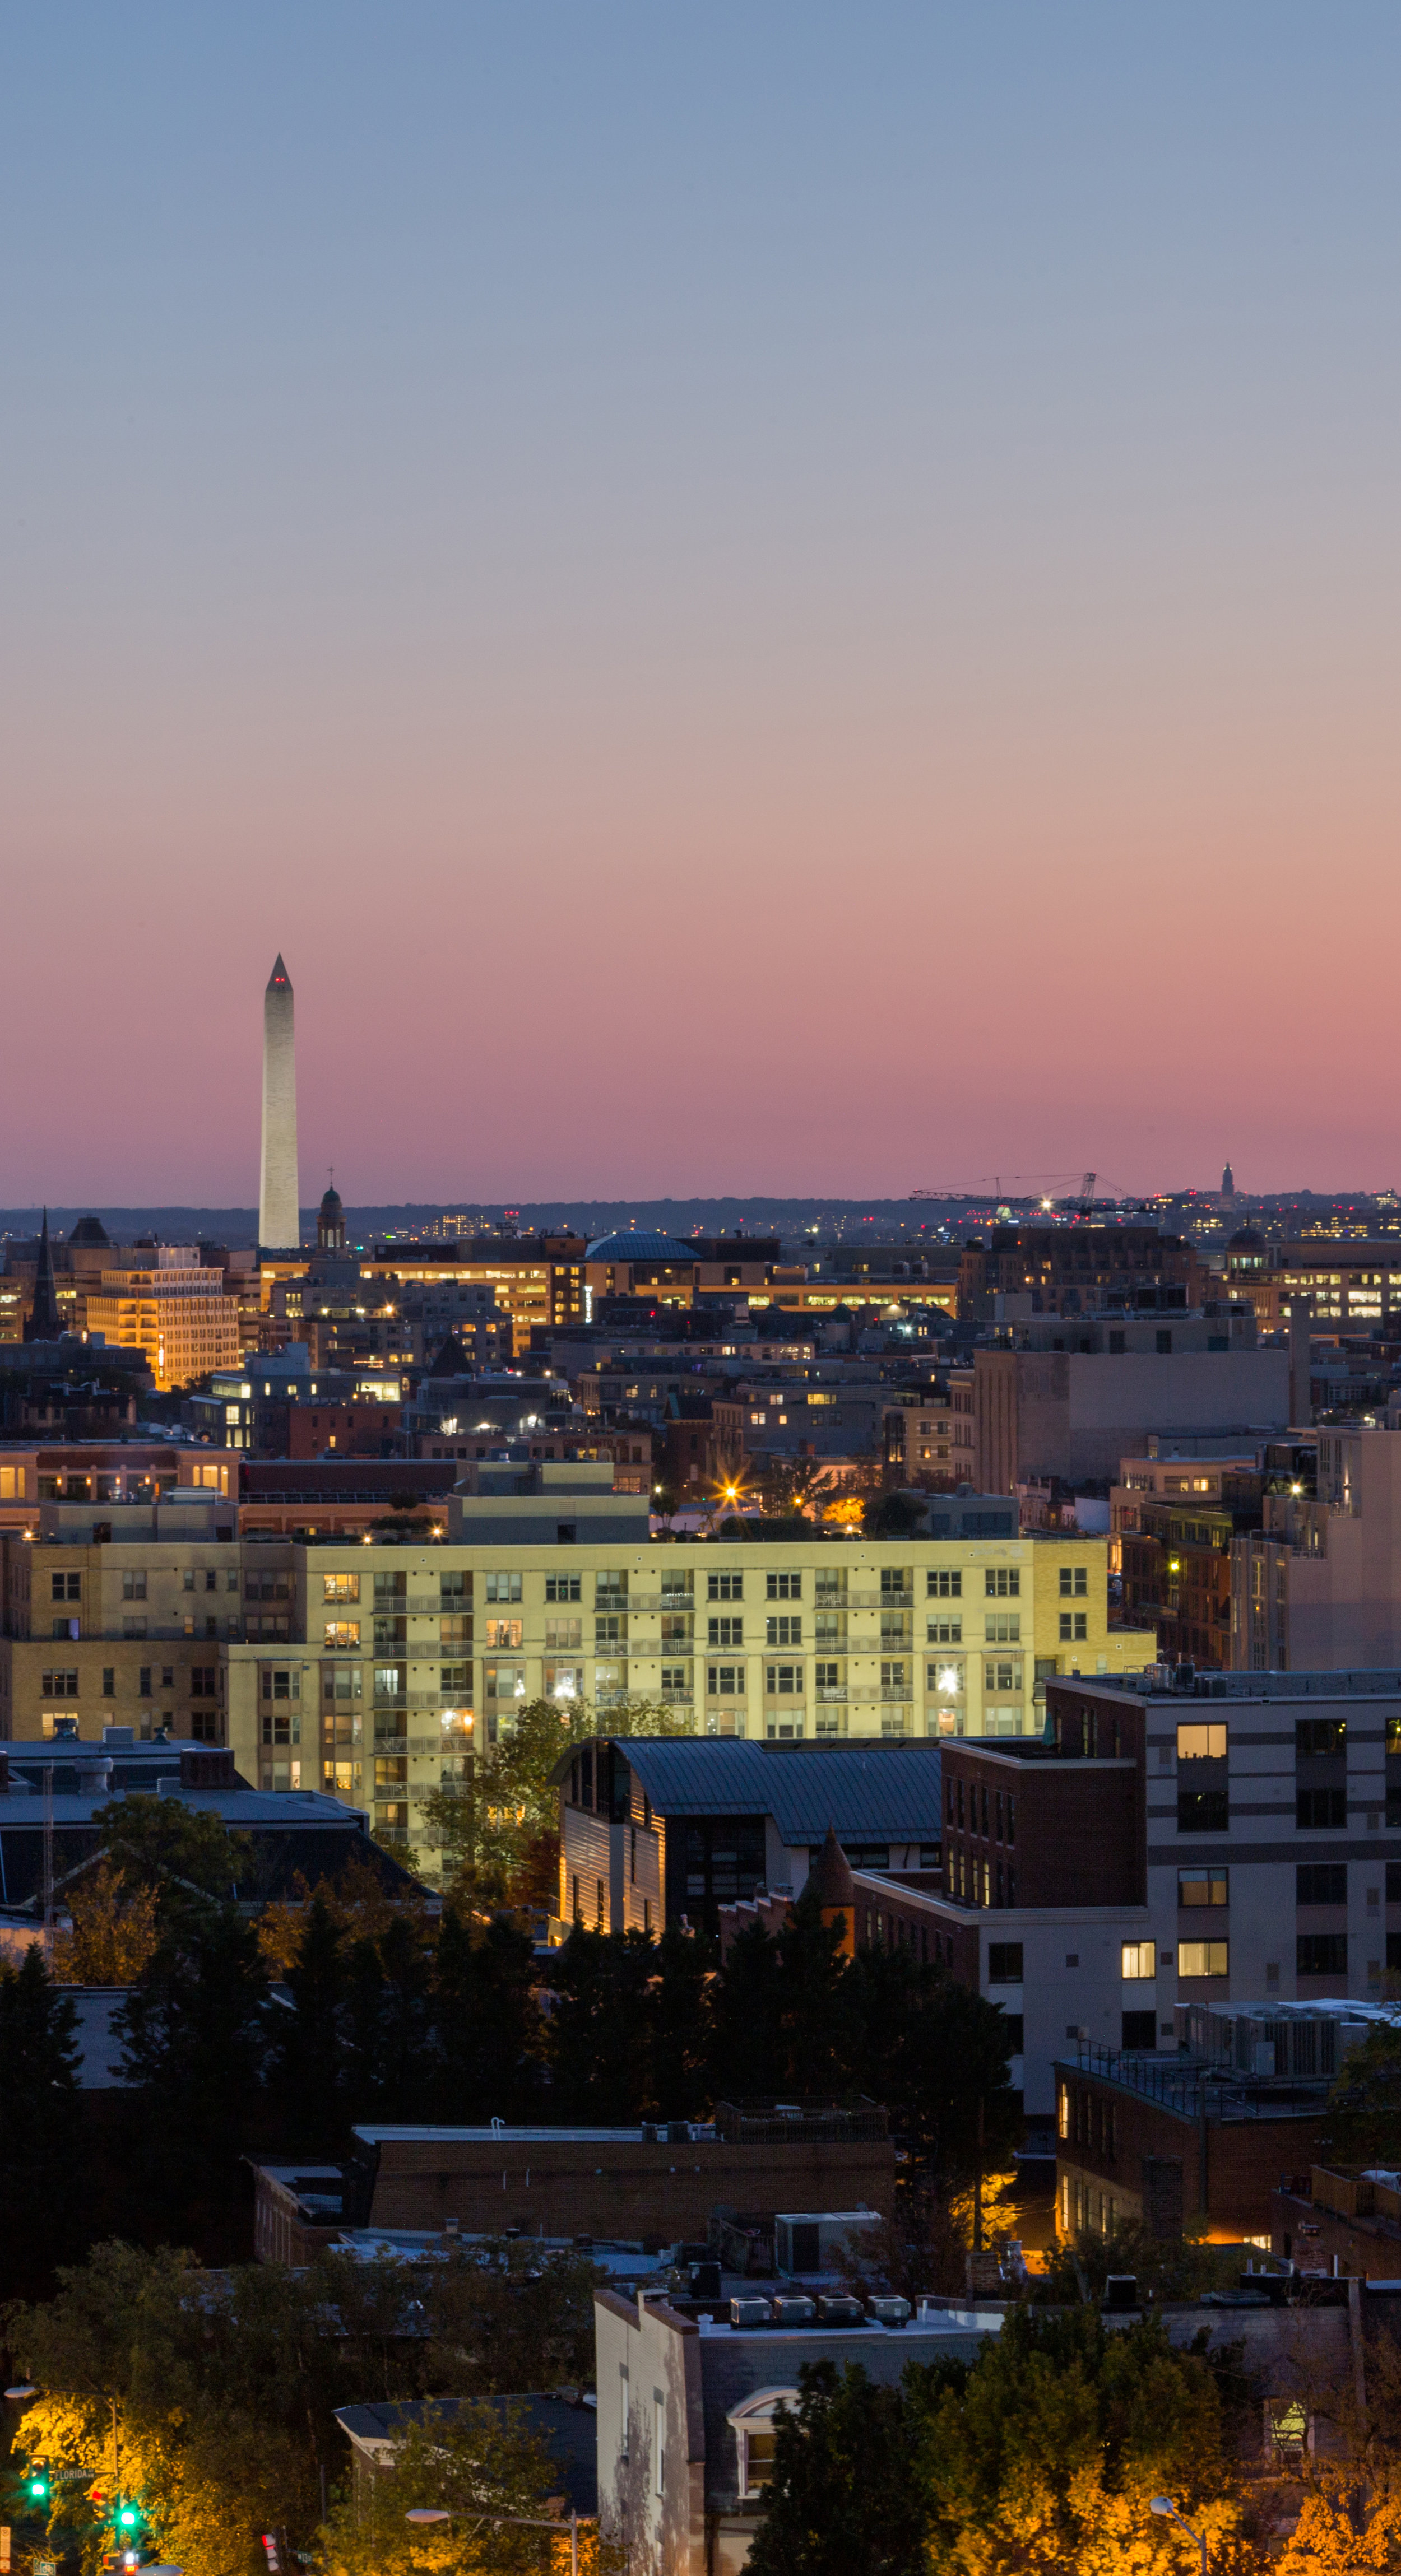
(757, 597)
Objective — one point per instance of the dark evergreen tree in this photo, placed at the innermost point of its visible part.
(685, 1963)
(841, 2496)
(487, 2023)
(196, 2042)
(746, 2020)
(406, 2023)
(600, 2029)
(309, 2069)
(815, 2022)
(933, 2051)
(364, 2028)
(40, 2132)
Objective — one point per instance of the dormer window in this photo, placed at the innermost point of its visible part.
(755, 2435)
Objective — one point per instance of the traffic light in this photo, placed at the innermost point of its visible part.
(37, 2487)
(274, 2554)
(127, 2517)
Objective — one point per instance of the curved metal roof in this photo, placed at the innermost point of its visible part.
(639, 1247)
(882, 1791)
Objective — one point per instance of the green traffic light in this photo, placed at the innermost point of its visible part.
(38, 2487)
(128, 2517)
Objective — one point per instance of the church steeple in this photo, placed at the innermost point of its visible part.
(42, 1324)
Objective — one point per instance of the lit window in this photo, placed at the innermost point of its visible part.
(1203, 1959)
(1201, 1744)
(1138, 1959)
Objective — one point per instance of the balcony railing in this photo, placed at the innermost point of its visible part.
(831, 1691)
(385, 1745)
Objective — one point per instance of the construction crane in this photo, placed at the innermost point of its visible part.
(1086, 1199)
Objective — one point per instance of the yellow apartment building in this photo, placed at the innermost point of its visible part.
(177, 1313)
(400, 1659)
(371, 1669)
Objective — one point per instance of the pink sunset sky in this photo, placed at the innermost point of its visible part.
(800, 601)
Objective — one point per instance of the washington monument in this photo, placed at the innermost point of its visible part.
(279, 1210)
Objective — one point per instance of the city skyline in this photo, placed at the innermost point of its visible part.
(856, 557)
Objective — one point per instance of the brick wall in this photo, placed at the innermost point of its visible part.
(1111, 2130)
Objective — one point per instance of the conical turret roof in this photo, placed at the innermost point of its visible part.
(830, 1876)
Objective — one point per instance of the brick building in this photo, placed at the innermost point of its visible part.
(662, 2180)
(1200, 2139)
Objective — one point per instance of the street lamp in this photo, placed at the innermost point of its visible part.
(1165, 2506)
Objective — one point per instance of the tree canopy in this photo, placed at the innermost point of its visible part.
(226, 2388)
(1041, 2455)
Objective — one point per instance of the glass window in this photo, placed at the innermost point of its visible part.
(1004, 1963)
(1002, 1582)
(1203, 1887)
(1201, 1743)
(1203, 1959)
(342, 1635)
(785, 1587)
(725, 1587)
(1321, 1883)
(340, 1587)
(1316, 1738)
(944, 1584)
(1138, 1959)
(726, 1681)
(563, 1587)
(502, 1632)
(784, 1632)
(503, 1587)
(1203, 1811)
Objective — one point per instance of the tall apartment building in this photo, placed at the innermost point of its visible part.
(1318, 1587)
(371, 1666)
(169, 1306)
(119, 1613)
(1235, 1838)
(1071, 1398)
(1177, 1568)
(1353, 1287)
(1075, 1269)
